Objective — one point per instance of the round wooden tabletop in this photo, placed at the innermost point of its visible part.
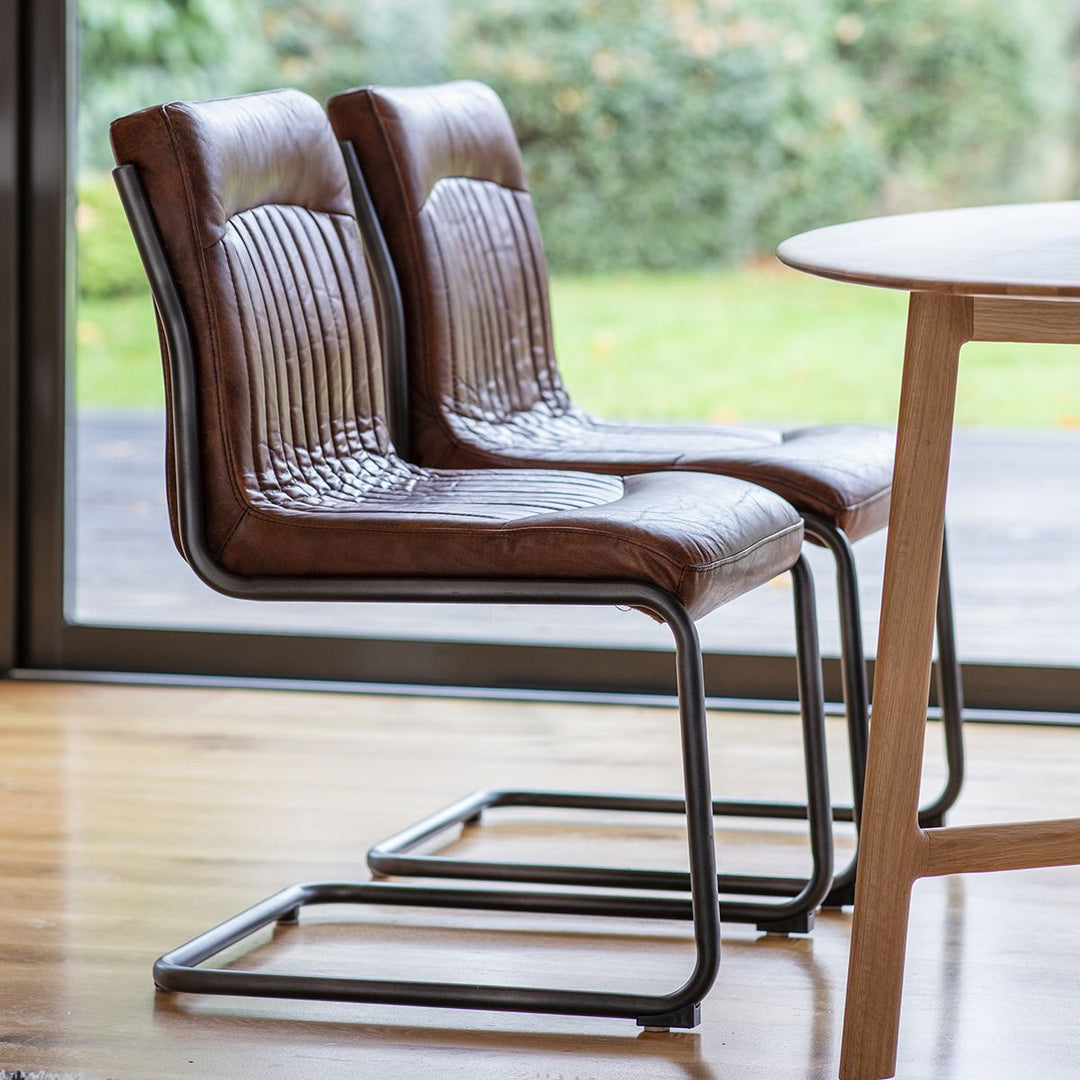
(1026, 250)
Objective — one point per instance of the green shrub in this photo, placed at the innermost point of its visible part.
(656, 133)
(828, 161)
(647, 128)
(134, 53)
(323, 47)
(962, 95)
(685, 132)
(108, 264)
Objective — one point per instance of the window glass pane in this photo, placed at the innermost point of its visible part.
(669, 147)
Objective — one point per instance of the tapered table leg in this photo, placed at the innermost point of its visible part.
(893, 848)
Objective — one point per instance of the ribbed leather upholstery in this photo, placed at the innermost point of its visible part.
(300, 477)
(446, 177)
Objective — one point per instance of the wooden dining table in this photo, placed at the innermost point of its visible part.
(996, 273)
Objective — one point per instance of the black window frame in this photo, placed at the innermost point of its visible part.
(10, 263)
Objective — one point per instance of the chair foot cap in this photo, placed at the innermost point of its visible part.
(689, 1017)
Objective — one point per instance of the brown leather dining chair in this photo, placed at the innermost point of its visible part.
(284, 485)
(441, 170)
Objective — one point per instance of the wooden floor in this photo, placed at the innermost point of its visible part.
(131, 818)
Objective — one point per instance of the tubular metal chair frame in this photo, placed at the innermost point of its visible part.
(180, 970)
(392, 857)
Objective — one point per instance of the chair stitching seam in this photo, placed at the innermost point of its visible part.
(414, 245)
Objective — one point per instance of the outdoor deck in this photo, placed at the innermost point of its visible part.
(1013, 507)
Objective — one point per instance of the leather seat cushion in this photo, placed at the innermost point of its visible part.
(706, 539)
(840, 472)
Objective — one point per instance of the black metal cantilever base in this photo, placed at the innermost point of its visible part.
(394, 856)
(179, 970)
(794, 914)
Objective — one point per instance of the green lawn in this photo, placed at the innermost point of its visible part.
(117, 361)
(760, 342)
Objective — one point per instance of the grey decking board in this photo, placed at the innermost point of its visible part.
(1013, 509)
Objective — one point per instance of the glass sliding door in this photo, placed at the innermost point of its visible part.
(669, 148)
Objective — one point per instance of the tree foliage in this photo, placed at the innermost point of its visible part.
(657, 133)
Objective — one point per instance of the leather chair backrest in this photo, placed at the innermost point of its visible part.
(446, 177)
(252, 202)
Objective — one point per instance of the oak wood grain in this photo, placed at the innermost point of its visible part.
(892, 847)
(1038, 321)
(1009, 846)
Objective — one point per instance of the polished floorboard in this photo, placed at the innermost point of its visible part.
(132, 818)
